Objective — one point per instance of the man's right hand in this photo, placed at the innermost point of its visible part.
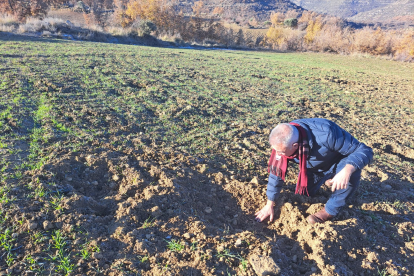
(266, 212)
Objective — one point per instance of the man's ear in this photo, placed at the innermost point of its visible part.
(295, 145)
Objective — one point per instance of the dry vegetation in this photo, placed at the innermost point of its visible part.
(329, 34)
(108, 20)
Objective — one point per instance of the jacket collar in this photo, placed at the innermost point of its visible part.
(308, 134)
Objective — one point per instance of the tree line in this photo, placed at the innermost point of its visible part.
(307, 31)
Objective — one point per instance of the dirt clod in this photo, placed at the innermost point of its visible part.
(90, 159)
(97, 255)
(238, 243)
(220, 248)
(47, 225)
(264, 265)
(33, 225)
(112, 185)
(294, 258)
(156, 211)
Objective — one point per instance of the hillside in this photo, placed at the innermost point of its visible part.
(244, 9)
(342, 8)
(362, 10)
(399, 11)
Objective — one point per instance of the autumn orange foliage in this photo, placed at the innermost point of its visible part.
(330, 34)
(277, 18)
(156, 11)
(24, 8)
(405, 45)
(314, 27)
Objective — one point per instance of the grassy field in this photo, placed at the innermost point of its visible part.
(120, 159)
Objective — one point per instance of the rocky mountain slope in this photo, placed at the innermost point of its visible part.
(398, 11)
(362, 10)
(244, 9)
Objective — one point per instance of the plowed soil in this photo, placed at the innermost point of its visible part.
(154, 161)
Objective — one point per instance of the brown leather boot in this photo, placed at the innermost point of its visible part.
(319, 217)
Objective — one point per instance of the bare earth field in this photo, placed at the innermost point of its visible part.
(130, 160)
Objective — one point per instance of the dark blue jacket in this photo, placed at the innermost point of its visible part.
(328, 144)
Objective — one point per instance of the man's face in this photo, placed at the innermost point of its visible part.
(286, 151)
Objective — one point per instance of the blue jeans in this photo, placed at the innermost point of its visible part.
(339, 197)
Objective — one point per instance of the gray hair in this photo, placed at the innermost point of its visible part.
(284, 134)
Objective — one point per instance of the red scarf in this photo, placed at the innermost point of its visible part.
(278, 163)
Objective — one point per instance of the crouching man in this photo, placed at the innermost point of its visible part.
(325, 153)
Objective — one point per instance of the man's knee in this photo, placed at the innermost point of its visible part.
(355, 176)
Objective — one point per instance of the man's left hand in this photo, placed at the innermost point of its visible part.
(341, 179)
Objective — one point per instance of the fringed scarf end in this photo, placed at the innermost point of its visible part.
(301, 190)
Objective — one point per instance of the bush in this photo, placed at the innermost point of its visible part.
(276, 35)
(403, 44)
(376, 42)
(153, 10)
(81, 7)
(147, 27)
(314, 27)
(333, 38)
(291, 22)
(22, 9)
(284, 38)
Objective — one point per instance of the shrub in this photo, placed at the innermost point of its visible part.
(284, 38)
(376, 42)
(147, 27)
(96, 14)
(7, 19)
(332, 38)
(275, 35)
(405, 45)
(291, 22)
(308, 16)
(160, 12)
(314, 26)
(25, 8)
(80, 6)
(277, 18)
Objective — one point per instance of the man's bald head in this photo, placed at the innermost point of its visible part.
(284, 134)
